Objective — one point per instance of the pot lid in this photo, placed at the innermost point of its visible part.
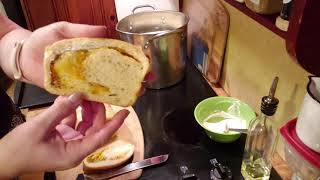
(152, 22)
(289, 133)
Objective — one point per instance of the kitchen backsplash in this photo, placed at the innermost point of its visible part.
(254, 56)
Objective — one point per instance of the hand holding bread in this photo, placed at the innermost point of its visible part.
(104, 70)
(85, 67)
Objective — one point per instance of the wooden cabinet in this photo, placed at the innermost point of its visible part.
(303, 40)
(39, 13)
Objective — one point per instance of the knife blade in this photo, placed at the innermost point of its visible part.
(128, 168)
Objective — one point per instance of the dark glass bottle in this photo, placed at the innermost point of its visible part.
(286, 8)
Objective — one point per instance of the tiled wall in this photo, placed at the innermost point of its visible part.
(254, 56)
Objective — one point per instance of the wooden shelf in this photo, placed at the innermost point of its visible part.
(266, 20)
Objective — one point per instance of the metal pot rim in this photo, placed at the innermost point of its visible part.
(152, 12)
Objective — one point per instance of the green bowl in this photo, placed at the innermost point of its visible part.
(219, 103)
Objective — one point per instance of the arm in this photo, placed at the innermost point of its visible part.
(6, 25)
(51, 140)
(54, 141)
(9, 34)
(31, 56)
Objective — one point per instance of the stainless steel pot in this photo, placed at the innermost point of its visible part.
(162, 35)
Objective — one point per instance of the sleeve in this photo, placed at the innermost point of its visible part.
(10, 114)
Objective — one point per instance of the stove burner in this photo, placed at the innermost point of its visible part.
(180, 126)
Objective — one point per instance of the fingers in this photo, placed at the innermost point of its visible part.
(98, 139)
(62, 107)
(87, 117)
(142, 91)
(150, 76)
(99, 117)
(70, 30)
(68, 133)
(93, 117)
(70, 120)
(82, 148)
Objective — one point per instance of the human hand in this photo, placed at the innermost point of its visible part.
(31, 59)
(50, 141)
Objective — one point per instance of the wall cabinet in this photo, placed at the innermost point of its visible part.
(39, 13)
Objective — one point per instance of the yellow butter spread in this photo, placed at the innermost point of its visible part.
(68, 68)
(107, 154)
(96, 157)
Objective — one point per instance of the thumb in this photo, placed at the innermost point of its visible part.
(71, 30)
(61, 108)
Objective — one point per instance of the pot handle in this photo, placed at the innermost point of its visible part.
(146, 45)
(142, 6)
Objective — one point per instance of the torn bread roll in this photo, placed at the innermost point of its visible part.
(103, 70)
(112, 155)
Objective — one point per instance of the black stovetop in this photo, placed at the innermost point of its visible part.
(169, 126)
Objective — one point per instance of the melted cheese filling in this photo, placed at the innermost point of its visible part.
(68, 71)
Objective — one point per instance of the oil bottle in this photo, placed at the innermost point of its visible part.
(261, 140)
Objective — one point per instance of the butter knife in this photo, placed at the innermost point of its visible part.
(128, 168)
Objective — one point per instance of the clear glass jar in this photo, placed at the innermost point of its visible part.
(259, 149)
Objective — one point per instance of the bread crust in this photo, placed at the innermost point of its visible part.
(92, 167)
(60, 47)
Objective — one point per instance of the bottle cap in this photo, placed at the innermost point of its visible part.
(270, 103)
